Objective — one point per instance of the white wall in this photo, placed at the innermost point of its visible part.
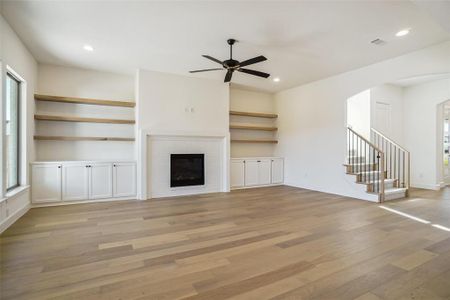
(15, 55)
(312, 118)
(392, 96)
(251, 101)
(75, 82)
(423, 131)
(358, 113)
(178, 105)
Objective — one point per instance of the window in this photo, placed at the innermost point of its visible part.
(12, 131)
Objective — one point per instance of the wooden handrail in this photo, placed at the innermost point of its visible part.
(389, 140)
(364, 139)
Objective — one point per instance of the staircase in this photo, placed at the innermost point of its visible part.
(380, 164)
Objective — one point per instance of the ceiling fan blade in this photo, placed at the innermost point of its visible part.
(253, 72)
(205, 70)
(253, 60)
(212, 58)
(228, 76)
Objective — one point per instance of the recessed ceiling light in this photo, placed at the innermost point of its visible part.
(88, 48)
(402, 32)
(276, 79)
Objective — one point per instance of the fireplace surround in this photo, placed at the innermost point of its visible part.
(155, 149)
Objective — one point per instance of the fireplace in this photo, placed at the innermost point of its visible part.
(187, 170)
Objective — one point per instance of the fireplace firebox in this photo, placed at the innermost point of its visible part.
(187, 169)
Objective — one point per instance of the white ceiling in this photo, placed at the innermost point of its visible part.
(303, 41)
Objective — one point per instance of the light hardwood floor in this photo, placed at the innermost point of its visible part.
(265, 243)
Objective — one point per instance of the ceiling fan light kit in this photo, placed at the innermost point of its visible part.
(231, 65)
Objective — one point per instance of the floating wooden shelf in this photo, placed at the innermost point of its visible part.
(252, 114)
(252, 127)
(79, 119)
(81, 138)
(84, 101)
(255, 141)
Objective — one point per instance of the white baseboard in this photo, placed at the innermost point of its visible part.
(14, 217)
(427, 186)
(255, 186)
(82, 202)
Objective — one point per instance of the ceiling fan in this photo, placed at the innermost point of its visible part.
(232, 65)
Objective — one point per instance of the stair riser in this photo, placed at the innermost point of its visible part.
(394, 196)
(356, 160)
(374, 188)
(376, 175)
(361, 168)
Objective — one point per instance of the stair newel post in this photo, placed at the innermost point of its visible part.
(409, 174)
(399, 165)
(377, 169)
(403, 171)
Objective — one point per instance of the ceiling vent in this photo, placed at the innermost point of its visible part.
(378, 42)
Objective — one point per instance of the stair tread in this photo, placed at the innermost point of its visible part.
(367, 172)
(389, 180)
(360, 164)
(395, 190)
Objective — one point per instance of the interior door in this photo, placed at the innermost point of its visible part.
(75, 184)
(100, 181)
(383, 118)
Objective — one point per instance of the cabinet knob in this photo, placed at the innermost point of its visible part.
(114, 165)
(59, 167)
(258, 161)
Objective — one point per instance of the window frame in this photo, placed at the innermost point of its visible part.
(12, 76)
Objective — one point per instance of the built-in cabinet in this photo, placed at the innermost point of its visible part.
(80, 181)
(124, 179)
(46, 182)
(254, 171)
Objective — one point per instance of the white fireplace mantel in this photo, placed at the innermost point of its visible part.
(146, 136)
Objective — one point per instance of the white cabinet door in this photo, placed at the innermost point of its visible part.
(75, 185)
(46, 183)
(237, 173)
(251, 172)
(100, 180)
(277, 170)
(264, 173)
(124, 179)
